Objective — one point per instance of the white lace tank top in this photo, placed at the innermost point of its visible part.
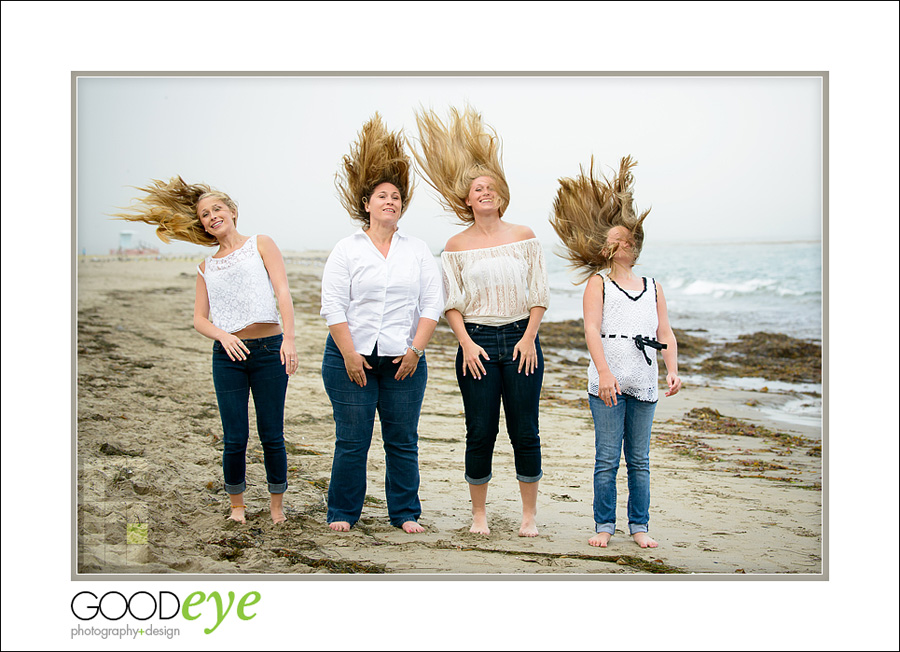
(626, 314)
(496, 285)
(240, 290)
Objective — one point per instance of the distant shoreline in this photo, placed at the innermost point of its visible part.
(551, 244)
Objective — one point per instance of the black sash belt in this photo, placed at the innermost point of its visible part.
(640, 341)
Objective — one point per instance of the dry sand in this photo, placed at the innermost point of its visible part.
(150, 497)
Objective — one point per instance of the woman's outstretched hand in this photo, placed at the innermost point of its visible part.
(356, 365)
(526, 352)
(234, 347)
(609, 388)
(472, 354)
(289, 357)
(674, 383)
(408, 362)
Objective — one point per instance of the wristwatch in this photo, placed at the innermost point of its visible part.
(417, 351)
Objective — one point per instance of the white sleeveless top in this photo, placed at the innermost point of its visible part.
(239, 289)
(626, 314)
(496, 285)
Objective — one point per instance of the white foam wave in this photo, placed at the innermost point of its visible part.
(725, 290)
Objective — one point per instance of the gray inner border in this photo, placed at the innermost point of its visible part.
(75, 576)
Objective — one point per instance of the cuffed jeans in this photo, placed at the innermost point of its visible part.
(262, 374)
(503, 383)
(624, 426)
(398, 404)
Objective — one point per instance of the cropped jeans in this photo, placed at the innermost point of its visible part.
(263, 375)
(624, 426)
(398, 404)
(519, 395)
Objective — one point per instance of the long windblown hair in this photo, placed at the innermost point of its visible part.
(171, 206)
(587, 208)
(453, 155)
(376, 157)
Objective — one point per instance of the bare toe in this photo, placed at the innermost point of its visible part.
(340, 526)
(411, 527)
(237, 514)
(643, 540)
(600, 539)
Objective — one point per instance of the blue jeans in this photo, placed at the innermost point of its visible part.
(624, 426)
(398, 404)
(503, 383)
(262, 374)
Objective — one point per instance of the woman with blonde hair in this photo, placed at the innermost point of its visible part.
(625, 323)
(381, 299)
(497, 292)
(240, 291)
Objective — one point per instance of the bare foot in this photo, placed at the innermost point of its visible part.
(276, 508)
(237, 513)
(528, 527)
(529, 492)
(479, 524)
(643, 540)
(600, 539)
(411, 527)
(340, 526)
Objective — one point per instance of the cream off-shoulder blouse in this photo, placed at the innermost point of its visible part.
(496, 285)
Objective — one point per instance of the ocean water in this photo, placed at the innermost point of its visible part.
(719, 290)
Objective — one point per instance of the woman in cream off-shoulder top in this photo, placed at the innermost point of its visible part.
(497, 292)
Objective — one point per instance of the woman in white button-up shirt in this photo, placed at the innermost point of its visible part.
(381, 299)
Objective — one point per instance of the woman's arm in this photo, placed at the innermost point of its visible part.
(456, 301)
(593, 319)
(430, 304)
(274, 263)
(336, 281)
(538, 300)
(233, 345)
(666, 335)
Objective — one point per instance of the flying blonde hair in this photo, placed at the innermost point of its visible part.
(584, 211)
(171, 206)
(455, 154)
(376, 157)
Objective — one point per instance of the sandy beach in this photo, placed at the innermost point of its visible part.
(735, 490)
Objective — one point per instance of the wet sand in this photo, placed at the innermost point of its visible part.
(735, 490)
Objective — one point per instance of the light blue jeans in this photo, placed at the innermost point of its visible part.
(622, 427)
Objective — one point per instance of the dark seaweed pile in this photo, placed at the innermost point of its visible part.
(772, 356)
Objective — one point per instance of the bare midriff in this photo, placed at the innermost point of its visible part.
(258, 330)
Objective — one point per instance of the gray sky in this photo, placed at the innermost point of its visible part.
(720, 158)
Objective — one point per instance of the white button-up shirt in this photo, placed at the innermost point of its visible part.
(381, 299)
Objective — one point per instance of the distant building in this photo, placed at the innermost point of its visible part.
(127, 248)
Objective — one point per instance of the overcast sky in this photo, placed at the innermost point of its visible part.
(720, 158)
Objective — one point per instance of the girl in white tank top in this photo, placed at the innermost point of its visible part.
(625, 323)
(240, 291)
